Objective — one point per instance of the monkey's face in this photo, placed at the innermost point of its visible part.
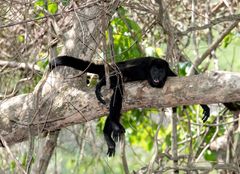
(158, 76)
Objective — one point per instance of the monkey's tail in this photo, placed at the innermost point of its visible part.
(76, 64)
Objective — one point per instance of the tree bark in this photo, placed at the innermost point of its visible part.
(68, 105)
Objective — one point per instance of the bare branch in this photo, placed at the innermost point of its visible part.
(48, 16)
(216, 21)
(47, 152)
(19, 65)
(21, 170)
(212, 47)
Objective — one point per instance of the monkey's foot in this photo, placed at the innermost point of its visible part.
(111, 151)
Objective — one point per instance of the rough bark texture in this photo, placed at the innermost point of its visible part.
(82, 40)
(69, 105)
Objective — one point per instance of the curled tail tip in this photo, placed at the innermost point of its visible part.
(51, 66)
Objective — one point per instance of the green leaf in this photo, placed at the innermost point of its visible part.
(52, 7)
(122, 11)
(12, 166)
(135, 28)
(227, 40)
(40, 3)
(20, 38)
(38, 8)
(65, 2)
(40, 15)
(126, 33)
(183, 68)
(159, 52)
(210, 155)
(42, 64)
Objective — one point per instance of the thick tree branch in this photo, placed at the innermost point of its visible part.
(68, 105)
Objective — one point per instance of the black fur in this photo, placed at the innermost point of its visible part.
(154, 70)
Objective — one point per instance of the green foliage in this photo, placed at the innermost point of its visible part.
(183, 68)
(13, 166)
(52, 7)
(227, 40)
(30, 86)
(228, 54)
(210, 156)
(70, 164)
(39, 3)
(165, 135)
(40, 6)
(100, 124)
(43, 64)
(65, 2)
(154, 51)
(20, 38)
(126, 35)
(24, 159)
(189, 112)
(141, 129)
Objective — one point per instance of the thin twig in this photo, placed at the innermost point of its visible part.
(214, 45)
(47, 16)
(211, 23)
(123, 154)
(19, 65)
(155, 154)
(11, 155)
(212, 139)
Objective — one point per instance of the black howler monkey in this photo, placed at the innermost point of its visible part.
(154, 70)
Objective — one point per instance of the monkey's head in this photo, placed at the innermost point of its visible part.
(158, 73)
